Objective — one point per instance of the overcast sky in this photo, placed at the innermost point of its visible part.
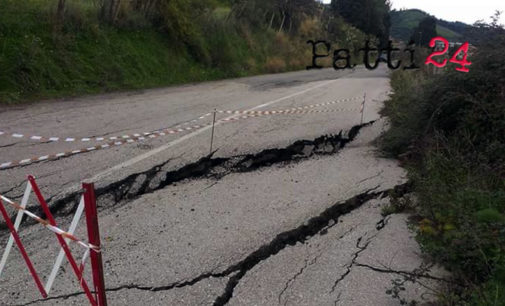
(467, 11)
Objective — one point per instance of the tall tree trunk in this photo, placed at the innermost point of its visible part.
(283, 20)
(115, 11)
(271, 21)
(61, 9)
(108, 11)
(60, 14)
(152, 6)
(238, 9)
(105, 8)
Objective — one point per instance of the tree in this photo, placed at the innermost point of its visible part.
(60, 14)
(282, 15)
(255, 13)
(149, 8)
(425, 31)
(482, 33)
(109, 10)
(370, 16)
(60, 11)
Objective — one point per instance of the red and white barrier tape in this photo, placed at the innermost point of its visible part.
(69, 139)
(116, 143)
(296, 111)
(88, 139)
(136, 135)
(157, 134)
(50, 227)
(267, 112)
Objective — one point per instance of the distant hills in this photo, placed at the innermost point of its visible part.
(404, 22)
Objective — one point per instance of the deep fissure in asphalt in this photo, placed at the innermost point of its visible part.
(300, 234)
(156, 178)
(141, 183)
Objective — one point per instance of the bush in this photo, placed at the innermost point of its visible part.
(275, 64)
(450, 130)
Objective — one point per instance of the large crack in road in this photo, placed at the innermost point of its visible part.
(156, 178)
(299, 235)
(198, 230)
(313, 226)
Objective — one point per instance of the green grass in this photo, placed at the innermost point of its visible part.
(35, 63)
(86, 57)
(36, 66)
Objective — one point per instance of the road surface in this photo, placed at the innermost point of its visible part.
(277, 214)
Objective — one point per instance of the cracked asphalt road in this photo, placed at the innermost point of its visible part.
(298, 232)
(137, 112)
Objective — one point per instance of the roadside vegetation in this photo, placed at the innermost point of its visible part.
(55, 48)
(449, 130)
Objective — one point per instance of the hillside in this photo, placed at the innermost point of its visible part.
(403, 23)
(52, 48)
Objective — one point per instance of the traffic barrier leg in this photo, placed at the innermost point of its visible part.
(94, 238)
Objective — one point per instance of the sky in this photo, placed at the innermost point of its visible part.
(467, 11)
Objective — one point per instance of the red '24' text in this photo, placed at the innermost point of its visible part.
(456, 58)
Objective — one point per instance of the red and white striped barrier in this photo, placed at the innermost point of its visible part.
(152, 135)
(92, 248)
(126, 139)
(110, 144)
(92, 139)
(300, 108)
(145, 134)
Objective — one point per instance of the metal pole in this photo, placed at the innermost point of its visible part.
(212, 135)
(94, 238)
(363, 108)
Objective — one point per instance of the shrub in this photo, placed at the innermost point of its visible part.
(275, 64)
(450, 128)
